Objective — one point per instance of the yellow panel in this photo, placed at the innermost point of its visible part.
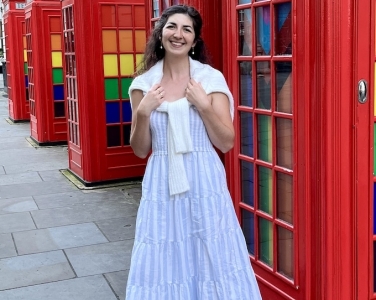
(55, 42)
(57, 59)
(109, 41)
(25, 56)
(126, 64)
(110, 65)
(139, 58)
(24, 42)
(126, 41)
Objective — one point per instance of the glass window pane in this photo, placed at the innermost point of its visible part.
(285, 198)
(247, 181)
(57, 76)
(248, 226)
(125, 16)
(126, 64)
(112, 112)
(283, 72)
(139, 20)
(245, 32)
(266, 241)
(127, 112)
(113, 136)
(58, 91)
(263, 30)
(126, 40)
(126, 134)
(140, 36)
(125, 84)
(110, 65)
(55, 24)
(155, 8)
(246, 133)
(59, 109)
(374, 266)
(285, 251)
(56, 42)
(108, 16)
(244, 1)
(263, 85)
(109, 41)
(245, 73)
(111, 88)
(265, 190)
(283, 24)
(284, 143)
(264, 138)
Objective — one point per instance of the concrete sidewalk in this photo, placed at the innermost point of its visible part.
(59, 242)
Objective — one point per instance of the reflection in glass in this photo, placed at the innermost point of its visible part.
(266, 241)
(285, 198)
(247, 180)
(264, 138)
(263, 85)
(248, 226)
(165, 4)
(245, 73)
(265, 190)
(244, 1)
(283, 28)
(155, 8)
(283, 72)
(285, 252)
(246, 133)
(263, 30)
(245, 32)
(175, 2)
(284, 143)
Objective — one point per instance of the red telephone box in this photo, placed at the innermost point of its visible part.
(45, 68)
(100, 61)
(17, 77)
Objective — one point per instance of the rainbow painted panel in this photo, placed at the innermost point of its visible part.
(374, 206)
(57, 59)
(374, 149)
(127, 111)
(110, 64)
(111, 87)
(248, 227)
(57, 76)
(126, 64)
(266, 241)
(125, 84)
(109, 41)
(264, 131)
(126, 40)
(265, 189)
(112, 112)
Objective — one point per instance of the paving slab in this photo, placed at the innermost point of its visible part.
(56, 238)
(20, 178)
(16, 222)
(118, 282)
(118, 229)
(82, 213)
(13, 205)
(100, 259)
(39, 165)
(2, 170)
(38, 188)
(34, 269)
(87, 288)
(78, 197)
(16, 144)
(52, 175)
(7, 248)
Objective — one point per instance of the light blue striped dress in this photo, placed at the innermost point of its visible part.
(188, 246)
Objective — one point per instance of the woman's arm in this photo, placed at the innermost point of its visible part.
(214, 110)
(142, 106)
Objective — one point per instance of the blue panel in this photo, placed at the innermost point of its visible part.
(58, 92)
(374, 208)
(26, 81)
(247, 183)
(248, 226)
(112, 112)
(127, 111)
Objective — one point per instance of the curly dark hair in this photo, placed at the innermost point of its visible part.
(153, 51)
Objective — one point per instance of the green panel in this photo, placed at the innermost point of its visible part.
(265, 182)
(125, 84)
(266, 241)
(57, 76)
(25, 68)
(374, 148)
(265, 138)
(111, 87)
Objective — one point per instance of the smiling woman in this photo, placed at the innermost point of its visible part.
(188, 243)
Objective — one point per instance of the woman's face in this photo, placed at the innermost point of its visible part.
(178, 35)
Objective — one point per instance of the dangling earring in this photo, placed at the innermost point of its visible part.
(161, 46)
(193, 50)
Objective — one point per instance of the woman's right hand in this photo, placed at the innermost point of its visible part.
(152, 100)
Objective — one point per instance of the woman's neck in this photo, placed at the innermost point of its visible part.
(176, 68)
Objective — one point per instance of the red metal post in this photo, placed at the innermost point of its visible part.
(45, 64)
(17, 78)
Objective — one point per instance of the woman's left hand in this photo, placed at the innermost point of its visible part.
(196, 95)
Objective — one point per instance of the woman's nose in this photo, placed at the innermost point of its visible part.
(178, 33)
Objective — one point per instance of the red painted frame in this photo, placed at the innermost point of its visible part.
(46, 129)
(14, 22)
(91, 161)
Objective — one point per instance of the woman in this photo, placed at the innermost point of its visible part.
(188, 243)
